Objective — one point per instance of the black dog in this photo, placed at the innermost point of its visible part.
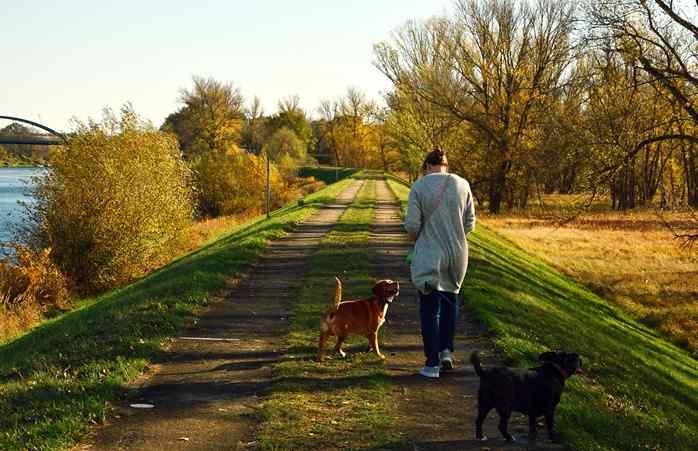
(533, 392)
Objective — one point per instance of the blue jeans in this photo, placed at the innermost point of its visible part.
(438, 312)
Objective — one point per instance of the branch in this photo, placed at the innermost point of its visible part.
(678, 19)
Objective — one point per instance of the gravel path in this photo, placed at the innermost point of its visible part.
(216, 373)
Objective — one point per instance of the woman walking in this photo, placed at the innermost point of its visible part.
(440, 213)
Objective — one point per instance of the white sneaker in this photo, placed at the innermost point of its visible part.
(446, 359)
(430, 371)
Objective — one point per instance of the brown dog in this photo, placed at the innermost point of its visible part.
(359, 317)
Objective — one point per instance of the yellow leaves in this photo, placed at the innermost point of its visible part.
(114, 201)
(229, 184)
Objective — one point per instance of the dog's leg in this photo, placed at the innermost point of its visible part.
(532, 429)
(321, 347)
(550, 424)
(373, 340)
(483, 410)
(504, 415)
(338, 346)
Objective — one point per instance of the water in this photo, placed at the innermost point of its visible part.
(13, 187)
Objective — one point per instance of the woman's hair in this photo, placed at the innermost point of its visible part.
(436, 157)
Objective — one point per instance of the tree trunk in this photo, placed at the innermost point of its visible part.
(691, 175)
(498, 188)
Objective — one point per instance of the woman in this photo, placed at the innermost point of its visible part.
(440, 213)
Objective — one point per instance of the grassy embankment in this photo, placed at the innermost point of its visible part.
(339, 403)
(58, 380)
(639, 391)
(628, 258)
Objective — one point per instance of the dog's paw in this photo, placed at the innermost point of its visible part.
(341, 353)
(555, 437)
(482, 439)
(381, 356)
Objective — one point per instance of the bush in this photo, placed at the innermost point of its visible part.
(234, 183)
(114, 204)
(30, 285)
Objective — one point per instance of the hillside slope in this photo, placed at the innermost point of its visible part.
(638, 390)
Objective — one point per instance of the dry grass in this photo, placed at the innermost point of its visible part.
(629, 258)
(31, 286)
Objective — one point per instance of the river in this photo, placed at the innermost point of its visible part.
(13, 189)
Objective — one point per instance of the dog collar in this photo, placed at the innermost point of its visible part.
(560, 370)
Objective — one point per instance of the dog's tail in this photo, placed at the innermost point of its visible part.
(337, 294)
(475, 360)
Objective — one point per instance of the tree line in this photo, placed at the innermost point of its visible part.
(541, 96)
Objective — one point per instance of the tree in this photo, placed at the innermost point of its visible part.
(415, 126)
(284, 143)
(115, 202)
(292, 117)
(492, 66)
(657, 38)
(349, 130)
(254, 133)
(210, 120)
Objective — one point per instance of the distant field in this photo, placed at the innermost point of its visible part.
(629, 258)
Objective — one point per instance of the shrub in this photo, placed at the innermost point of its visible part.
(234, 183)
(114, 204)
(30, 285)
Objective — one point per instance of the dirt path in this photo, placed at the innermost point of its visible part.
(215, 374)
(435, 414)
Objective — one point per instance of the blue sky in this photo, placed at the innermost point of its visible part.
(75, 57)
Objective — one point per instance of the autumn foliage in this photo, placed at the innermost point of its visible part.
(114, 203)
(30, 285)
(229, 183)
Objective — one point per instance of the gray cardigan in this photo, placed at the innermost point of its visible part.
(441, 251)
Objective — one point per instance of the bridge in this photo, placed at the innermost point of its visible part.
(52, 138)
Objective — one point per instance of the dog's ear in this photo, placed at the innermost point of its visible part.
(378, 289)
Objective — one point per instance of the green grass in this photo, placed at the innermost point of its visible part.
(340, 403)
(327, 174)
(57, 380)
(639, 391)
(399, 189)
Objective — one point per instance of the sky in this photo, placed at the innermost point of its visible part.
(72, 58)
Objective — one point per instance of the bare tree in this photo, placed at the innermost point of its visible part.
(494, 66)
(659, 39)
